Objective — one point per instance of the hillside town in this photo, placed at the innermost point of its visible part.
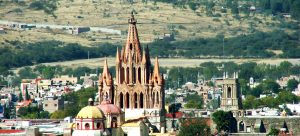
(135, 101)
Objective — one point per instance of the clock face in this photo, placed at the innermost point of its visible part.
(229, 101)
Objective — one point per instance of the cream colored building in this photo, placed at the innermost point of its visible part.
(64, 79)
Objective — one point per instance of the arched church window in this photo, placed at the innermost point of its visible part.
(78, 126)
(114, 123)
(134, 75)
(98, 125)
(157, 98)
(127, 100)
(241, 126)
(141, 100)
(139, 75)
(122, 75)
(87, 126)
(121, 100)
(135, 100)
(229, 92)
(130, 46)
(127, 75)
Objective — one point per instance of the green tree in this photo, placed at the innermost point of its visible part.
(26, 72)
(194, 127)
(269, 102)
(59, 114)
(224, 121)
(193, 101)
(213, 104)
(193, 6)
(266, 4)
(210, 7)
(250, 102)
(171, 98)
(44, 115)
(84, 94)
(48, 72)
(292, 84)
(247, 70)
(77, 100)
(287, 97)
(20, 97)
(211, 84)
(209, 70)
(273, 132)
(27, 96)
(295, 9)
(284, 67)
(234, 7)
(23, 111)
(270, 86)
(257, 91)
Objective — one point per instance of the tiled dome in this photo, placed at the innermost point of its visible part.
(109, 108)
(90, 112)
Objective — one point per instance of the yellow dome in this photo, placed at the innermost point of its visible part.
(90, 112)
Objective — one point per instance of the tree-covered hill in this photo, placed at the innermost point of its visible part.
(257, 45)
(277, 44)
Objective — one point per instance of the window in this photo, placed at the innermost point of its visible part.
(122, 75)
(157, 98)
(134, 75)
(127, 100)
(127, 75)
(114, 123)
(121, 100)
(241, 126)
(87, 126)
(229, 92)
(141, 100)
(135, 101)
(55, 105)
(46, 105)
(98, 125)
(139, 75)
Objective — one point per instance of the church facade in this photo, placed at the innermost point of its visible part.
(137, 89)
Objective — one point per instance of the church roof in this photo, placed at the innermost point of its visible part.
(90, 112)
(106, 76)
(156, 77)
(132, 48)
(109, 108)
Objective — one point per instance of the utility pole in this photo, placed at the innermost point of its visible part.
(223, 54)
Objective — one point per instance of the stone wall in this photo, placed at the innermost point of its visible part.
(257, 124)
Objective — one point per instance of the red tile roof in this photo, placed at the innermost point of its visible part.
(11, 131)
(177, 115)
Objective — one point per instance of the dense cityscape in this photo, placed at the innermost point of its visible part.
(235, 71)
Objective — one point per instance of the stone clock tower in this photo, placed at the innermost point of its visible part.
(231, 94)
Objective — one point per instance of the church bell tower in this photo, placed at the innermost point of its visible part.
(231, 95)
(138, 90)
